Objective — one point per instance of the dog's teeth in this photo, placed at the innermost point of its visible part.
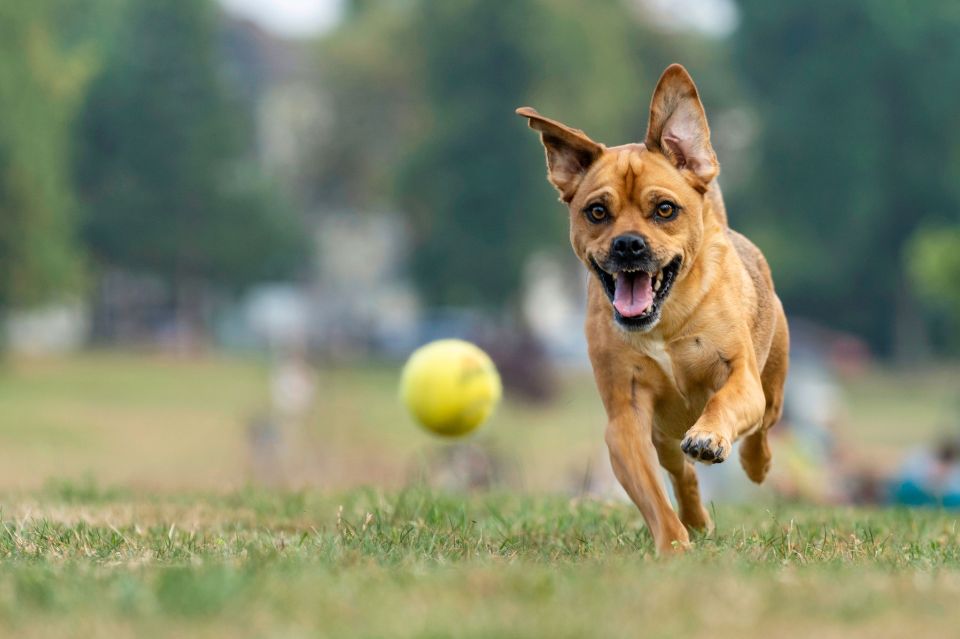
(656, 284)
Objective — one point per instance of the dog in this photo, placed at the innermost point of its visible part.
(688, 340)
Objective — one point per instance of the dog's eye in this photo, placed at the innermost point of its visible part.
(596, 213)
(667, 210)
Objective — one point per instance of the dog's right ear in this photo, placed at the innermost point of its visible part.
(569, 151)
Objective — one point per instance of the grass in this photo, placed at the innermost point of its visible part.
(889, 410)
(78, 562)
(122, 418)
(167, 424)
(123, 513)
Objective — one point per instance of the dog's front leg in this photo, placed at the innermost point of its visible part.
(733, 411)
(634, 458)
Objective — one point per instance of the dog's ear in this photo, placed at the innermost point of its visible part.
(569, 151)
(678, 125)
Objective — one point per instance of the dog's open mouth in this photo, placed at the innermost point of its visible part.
(637, 294)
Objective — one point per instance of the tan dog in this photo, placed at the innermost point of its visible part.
(687, 338)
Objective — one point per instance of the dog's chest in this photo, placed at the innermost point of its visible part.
(656, 349)
(691, 369)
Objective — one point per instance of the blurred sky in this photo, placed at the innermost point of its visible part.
(289, 17)
(299, 18)
(713, 17)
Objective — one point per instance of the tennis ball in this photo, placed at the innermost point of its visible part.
(450, 386)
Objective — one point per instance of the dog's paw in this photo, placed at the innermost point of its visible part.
(705, 446)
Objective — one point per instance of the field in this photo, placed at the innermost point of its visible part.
(129, 510)
(416, 564)
(166, 424)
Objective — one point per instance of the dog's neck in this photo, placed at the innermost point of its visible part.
(714, 206)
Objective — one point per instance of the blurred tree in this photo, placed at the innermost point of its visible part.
(465, 182)
(933, 260)
(473, 182)
(858, 148)
(423, 95)
(168, 183)
(367, 73)
(41, 83)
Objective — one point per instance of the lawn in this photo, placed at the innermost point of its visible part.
(82, 562)
(168, 424)
(129, 507)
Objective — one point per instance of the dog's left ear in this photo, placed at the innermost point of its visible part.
(678, 125)
(569, 151)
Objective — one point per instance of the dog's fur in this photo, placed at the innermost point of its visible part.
(705, 364)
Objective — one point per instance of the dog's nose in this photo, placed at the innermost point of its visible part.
(628, 246)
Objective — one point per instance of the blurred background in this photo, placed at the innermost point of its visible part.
(224, 225)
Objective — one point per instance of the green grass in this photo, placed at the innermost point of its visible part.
(124, 418)
(79, 562)
(167, 424)
(889, 410)
(121, 516)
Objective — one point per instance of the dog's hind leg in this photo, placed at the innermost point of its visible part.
(685, 487)
(755, 451)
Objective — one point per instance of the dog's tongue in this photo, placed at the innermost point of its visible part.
(633, 293)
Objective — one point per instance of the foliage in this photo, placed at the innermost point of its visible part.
(934, 268)
(425, 93)
(856, 149)
(166, 171)
(367, 71)
(41, 84)
(465, 182)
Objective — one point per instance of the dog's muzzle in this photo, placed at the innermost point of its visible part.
(635, 284)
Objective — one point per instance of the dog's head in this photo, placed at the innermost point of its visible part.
(636, 211)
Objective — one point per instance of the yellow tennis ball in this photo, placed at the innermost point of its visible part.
(450, 386)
